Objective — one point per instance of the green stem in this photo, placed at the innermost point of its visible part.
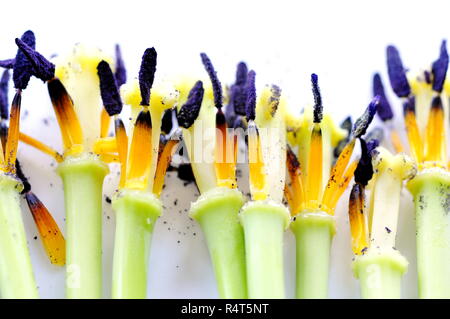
(16, 273)
(217, 213)
(264, 224)
(83, 180)
(431, 191)
(380, 273)
(313, 232)
(136, 215)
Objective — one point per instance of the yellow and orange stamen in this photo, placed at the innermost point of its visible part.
(51, 236)
(224, 151)
(71, 128)
(257, 174)
(341, 173)
(427, 142)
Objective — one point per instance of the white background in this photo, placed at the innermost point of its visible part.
(284, 41)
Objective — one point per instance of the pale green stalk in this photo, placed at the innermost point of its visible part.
(264, 224)
(380, 268)
(83, 181)
(431, 191)
(16, 273)
(136, 215)
(217, 213)
(313, 233)
(380, 273)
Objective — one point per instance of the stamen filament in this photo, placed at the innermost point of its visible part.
(337, 172)
(413, 133)
(40, 146)
(105, 145)
(13, 134)
(396, 141)
(105, 120)
(314, 175)
(358, 226)
(140, 157)
(224, 154)
(109, 158)
(257, 176)
(341, 187)
(122, 148)
(51, 236)
(65, 114)
(164, 158)
(297, 194)
(435, 147)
